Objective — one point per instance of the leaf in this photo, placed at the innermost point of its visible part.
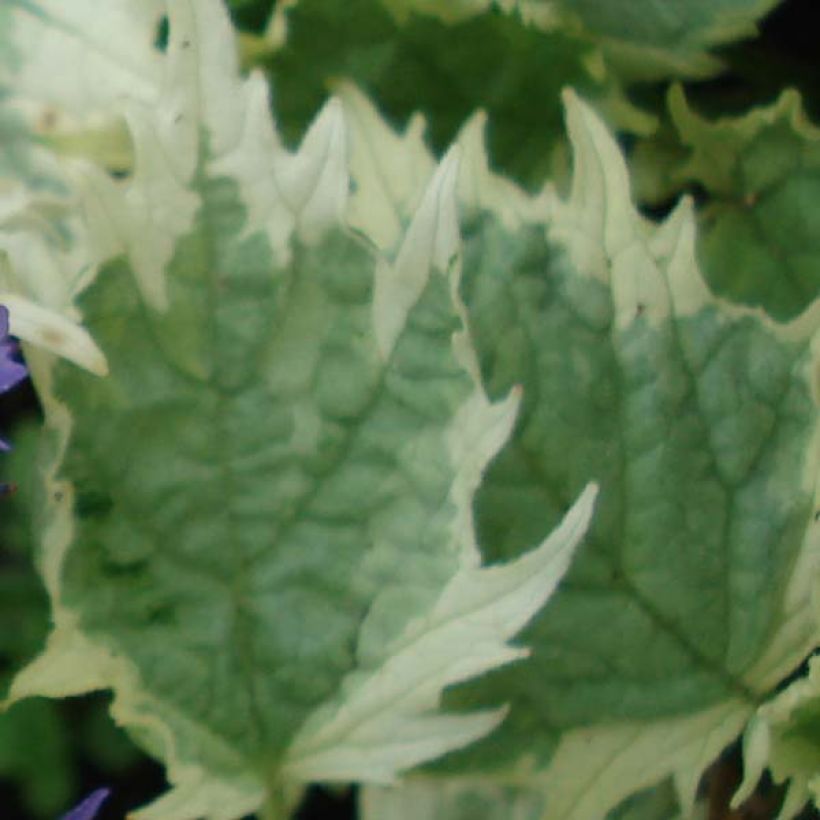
(644, 39)
(758, 240)
(783, 736)
(647, 40)
(691, 599)
(259, 527)
(491, 61)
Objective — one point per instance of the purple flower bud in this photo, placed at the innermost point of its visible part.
(88, 809)
(12, 372)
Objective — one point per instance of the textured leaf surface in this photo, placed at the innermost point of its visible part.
(260, 530)
(759, 241)
(691, 598)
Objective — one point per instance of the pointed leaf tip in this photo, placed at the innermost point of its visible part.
(431, 241)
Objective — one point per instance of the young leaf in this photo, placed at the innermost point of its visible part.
(758, 240)
(692, 597)
(259, 531)
(784, 736)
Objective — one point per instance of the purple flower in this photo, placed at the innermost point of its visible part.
(12, 372)
(88, 809)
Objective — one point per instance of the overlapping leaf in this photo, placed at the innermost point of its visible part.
(692, 598)
(758, 239)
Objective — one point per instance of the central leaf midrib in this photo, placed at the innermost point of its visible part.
(294, 514)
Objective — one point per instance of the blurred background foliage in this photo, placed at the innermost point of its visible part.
(699, 111)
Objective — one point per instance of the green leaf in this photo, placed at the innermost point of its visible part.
(648, 40)
(491, 61)
(692, 597)
(758, 237)
(701, 421)
(259, 528)
(644, 39)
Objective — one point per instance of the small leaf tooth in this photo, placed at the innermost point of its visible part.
(299, 174)
(326, 142)
(478, 432)
(253, 165)
(160, 208)
(756, 751)
(389, 167)
(471, 140)
(202, 83)
(580, 219)
(616, 212)
(601, 203)
(686, 285)
(639, 289)
(479, 611)
(480, 188)
(48, 329)
(432, 240)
